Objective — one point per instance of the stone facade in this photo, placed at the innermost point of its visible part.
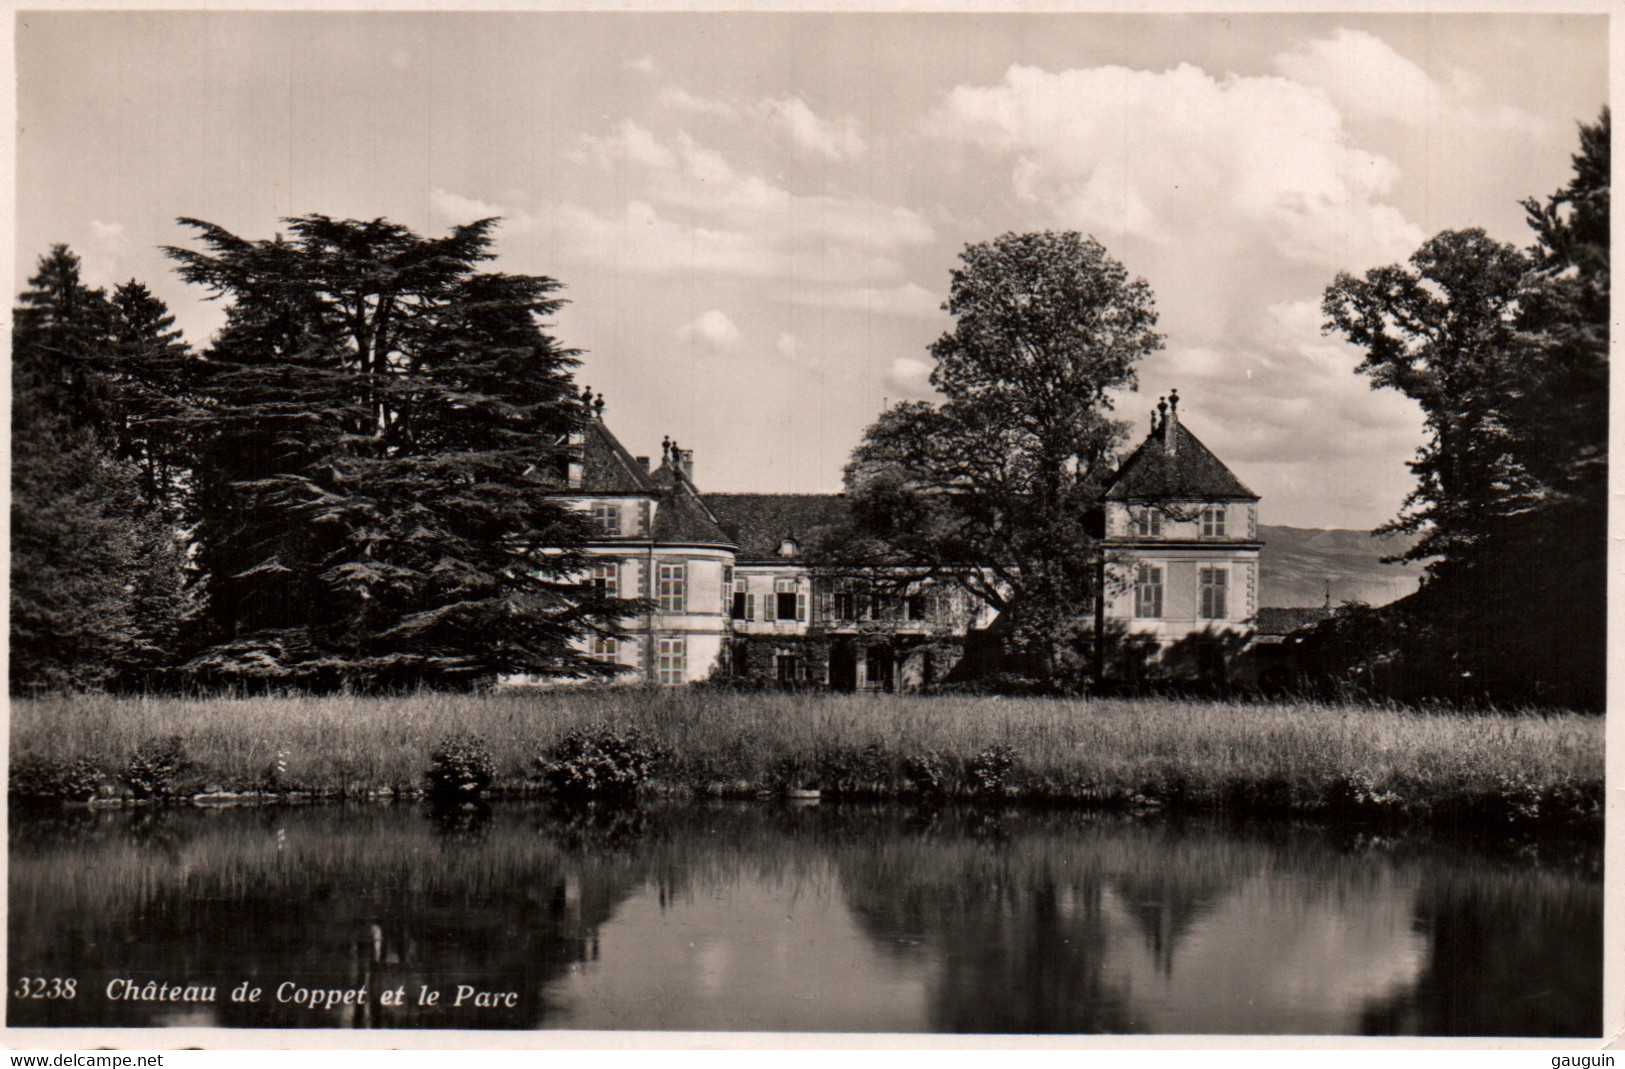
(731, 594)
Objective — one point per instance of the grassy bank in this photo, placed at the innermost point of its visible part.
(1287, 757)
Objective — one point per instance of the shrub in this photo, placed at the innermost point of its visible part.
(989, 771)
(599, 759)
(1358, 792)
(156, 766)
(849, 770)
(459, 769)
(926, 774)
(793, 771)
(40, 778)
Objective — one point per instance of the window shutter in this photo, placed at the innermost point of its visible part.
(801, 608)
(750, 606)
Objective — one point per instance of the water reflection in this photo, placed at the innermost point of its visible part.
(763, 917)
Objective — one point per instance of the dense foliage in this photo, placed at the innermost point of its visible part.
(356, 479)
(1506, 351)
(992, 487)
(96, 580)
(377, 431)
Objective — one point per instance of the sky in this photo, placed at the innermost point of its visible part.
(755, 216)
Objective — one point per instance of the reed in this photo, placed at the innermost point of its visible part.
(1206, 754)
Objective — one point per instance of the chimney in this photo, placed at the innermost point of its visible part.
(685, 462)
(643, 462)
(1170, 425)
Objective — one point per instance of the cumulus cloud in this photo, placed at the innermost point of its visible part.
(833, 139)
(110, 237)
(1302, 399)
(1250, 162)
(456, 208)
(790, 350)
(712, 330)
(909, 376)
(1364, 76)
(696, 211)
(632, 143)
(102, 260)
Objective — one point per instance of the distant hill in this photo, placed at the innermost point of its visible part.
(1297, 562)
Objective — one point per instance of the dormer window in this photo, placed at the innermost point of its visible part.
(1146, 522)
(789, 548)
(1213, 521)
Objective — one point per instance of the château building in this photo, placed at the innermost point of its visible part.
(730, 592)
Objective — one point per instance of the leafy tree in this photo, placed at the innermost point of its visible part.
(95, 572)
(1506, 352)
(1442, 331)
(379, 431)
(992, 488)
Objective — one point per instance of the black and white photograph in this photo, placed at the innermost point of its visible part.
(541, 524)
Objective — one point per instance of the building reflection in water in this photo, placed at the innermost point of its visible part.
(710, 917)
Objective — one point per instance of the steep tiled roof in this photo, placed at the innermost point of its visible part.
(1286, 621)
(759, 523)
(606, 466)
(1188, 471)
(681, 516)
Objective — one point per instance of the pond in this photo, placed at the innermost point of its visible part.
(778, 917)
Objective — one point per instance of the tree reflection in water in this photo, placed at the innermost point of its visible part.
(923, 919)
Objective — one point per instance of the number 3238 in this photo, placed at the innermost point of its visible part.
(45, 987)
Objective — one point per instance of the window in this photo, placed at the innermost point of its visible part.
(744, 602)
(607, 578)
(849, 605)
(788, 667)
(1213, 521)
(1214, 583)
(727, 588)
(673, 581)
(605, 648)
(607, 517)
(671, 660)
(917, 607)
(1147, 522)
(789, 602)
(1148, 592)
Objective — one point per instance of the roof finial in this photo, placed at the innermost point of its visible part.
(598, 406)
(665, 448)
(1173, 402)
(586, 395)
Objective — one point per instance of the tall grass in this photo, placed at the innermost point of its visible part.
(1204, 753)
